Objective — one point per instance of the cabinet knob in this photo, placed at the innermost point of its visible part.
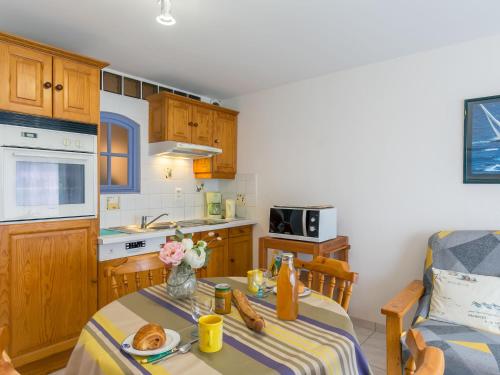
(47, 85)
(216, 141)
(195, 124)
(93, 281)
(59, 87)
(190, 123)
(231, 260)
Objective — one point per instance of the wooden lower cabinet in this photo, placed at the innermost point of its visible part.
(217, 266)
(48, 289)
(240, 255)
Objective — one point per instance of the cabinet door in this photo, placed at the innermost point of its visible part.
(53, 285)
(76, 91)
(157, 120)
(217, 265)
(225, 138)
(25, 80)
(240, 255)
(202, 119)
(178, 121)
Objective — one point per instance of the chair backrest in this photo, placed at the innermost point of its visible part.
(135, 267)
(426, 360)
(467, 251)
(330, 277)
(6, 367)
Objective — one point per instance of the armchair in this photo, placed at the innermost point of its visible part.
(467, 351)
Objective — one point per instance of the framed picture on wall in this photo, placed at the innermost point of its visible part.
(482, 141)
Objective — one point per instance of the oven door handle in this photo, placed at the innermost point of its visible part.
(37, 155)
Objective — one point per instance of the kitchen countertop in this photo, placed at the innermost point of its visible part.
(125, 237)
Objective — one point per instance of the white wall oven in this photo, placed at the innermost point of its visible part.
(47, 174)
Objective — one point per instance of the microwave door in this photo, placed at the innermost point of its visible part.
(286, 221)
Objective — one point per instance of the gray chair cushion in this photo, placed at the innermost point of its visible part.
(467, 351)
(468, 251)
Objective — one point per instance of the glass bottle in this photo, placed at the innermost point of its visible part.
(275, 267)
(287, 301)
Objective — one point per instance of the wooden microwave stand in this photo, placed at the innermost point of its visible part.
(339, 245)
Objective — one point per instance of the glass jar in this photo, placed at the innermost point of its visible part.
(181, 282)
(223, 296)
(287, 301)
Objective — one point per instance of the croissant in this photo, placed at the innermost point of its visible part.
(149, 337)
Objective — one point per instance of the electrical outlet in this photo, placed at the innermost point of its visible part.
(178, 193)
(112, 203)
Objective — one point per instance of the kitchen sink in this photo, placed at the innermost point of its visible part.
(133, 229)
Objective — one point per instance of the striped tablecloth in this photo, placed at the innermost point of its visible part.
(320, 341)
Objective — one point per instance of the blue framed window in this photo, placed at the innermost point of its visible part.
(119, 154)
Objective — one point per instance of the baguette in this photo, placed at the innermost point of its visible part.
(252, 320)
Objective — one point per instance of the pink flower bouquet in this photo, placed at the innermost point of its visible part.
(172, 253)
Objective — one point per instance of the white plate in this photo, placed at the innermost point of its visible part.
(305, 293)
(173, 339)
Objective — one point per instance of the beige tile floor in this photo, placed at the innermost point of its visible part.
(372, 343)
(373, 346)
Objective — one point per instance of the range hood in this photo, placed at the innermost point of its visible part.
(182, 150)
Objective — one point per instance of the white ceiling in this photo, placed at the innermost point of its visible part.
(225, 48)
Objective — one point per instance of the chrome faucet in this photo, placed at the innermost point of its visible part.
(144, 220)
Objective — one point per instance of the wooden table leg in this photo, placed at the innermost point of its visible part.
(262, 253)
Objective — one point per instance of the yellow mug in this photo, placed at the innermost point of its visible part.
(210, 333)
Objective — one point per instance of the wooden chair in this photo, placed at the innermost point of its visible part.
(6, 367)
(135, 266)
(425, 360)
(330, 277)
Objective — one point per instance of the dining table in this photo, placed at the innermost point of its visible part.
(320, 341)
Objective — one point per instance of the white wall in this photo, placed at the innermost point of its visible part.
(384, 144)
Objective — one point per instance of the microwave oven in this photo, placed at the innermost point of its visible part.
(303, 223)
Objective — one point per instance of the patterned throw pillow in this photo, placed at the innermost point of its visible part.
(466, 299)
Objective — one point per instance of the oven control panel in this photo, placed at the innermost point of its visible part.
(124, 249)
(19, 136)
(135, 245)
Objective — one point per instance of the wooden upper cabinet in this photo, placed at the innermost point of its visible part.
(173, 118)
(201, 125)
(76, 91)
(42, 80)
(157, 120)
(225, 138)
(25, 80)
(178, 121)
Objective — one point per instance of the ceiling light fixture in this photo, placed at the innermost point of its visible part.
(165, 17)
